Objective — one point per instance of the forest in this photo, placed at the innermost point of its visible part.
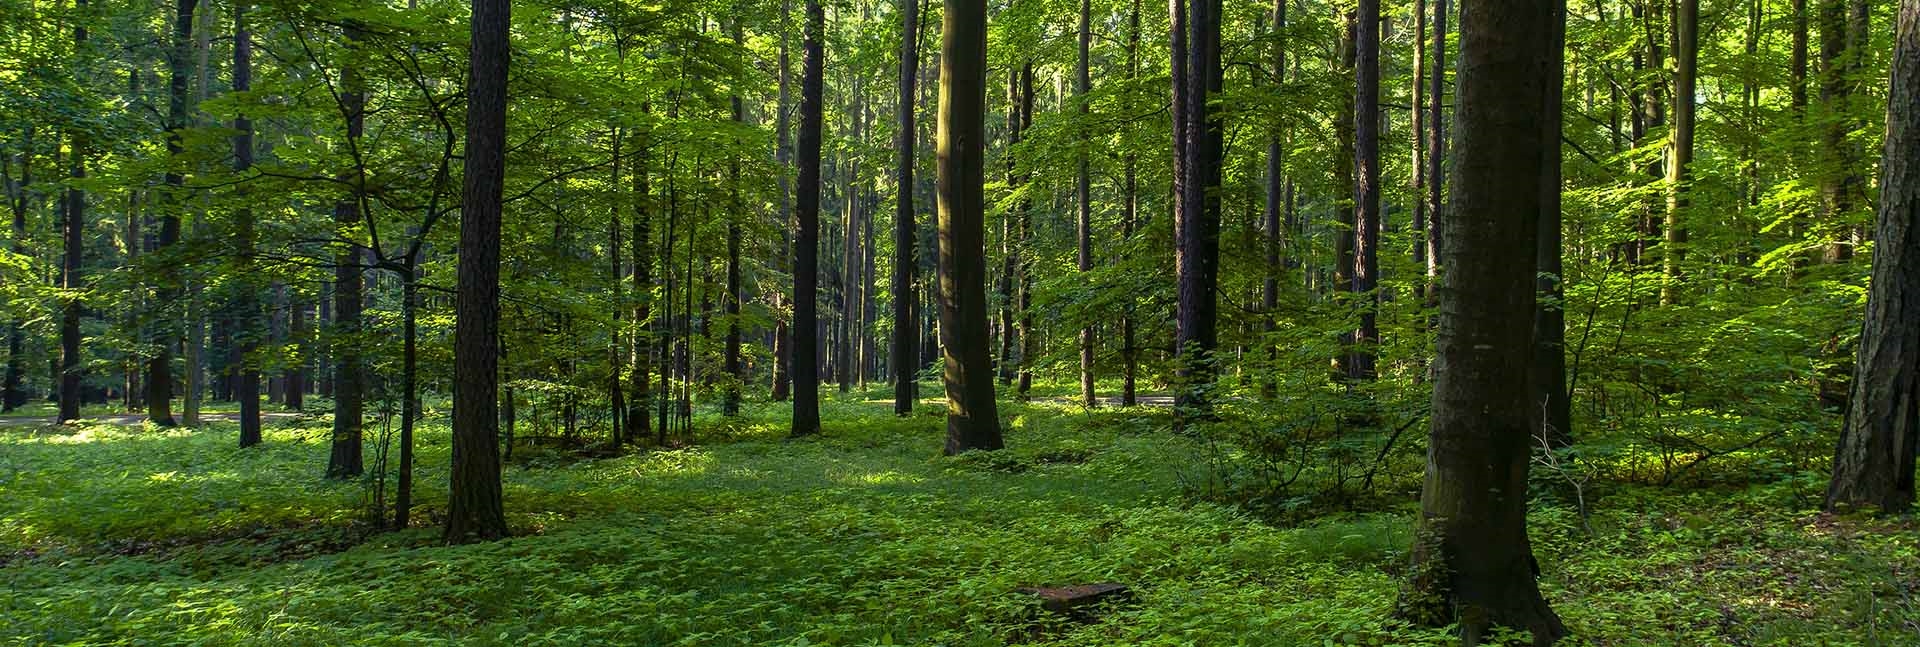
(960, 322)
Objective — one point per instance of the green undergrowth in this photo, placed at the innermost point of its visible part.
(863, 535)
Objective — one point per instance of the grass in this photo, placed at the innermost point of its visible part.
(862, 536)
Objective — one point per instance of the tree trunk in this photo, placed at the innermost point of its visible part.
(349, 390)
(730, 398)
(12, 392)
(1199, 135)
(1472, 560)
(409, 391)
(165, 326)
(1366, 197)
(247, 331)
(73, 231)
(1797, 61)
(1436, 149)
(1550, 319)
(1023, 259)
(1839, 174)
(783, 157)
(1874, 464)
(1346, 231)
(294, 379)
(474, 510)
(640, 404)
(1083, 195)
(905, 358)
(1129, 355)
(1686, 22)
(973, 420)
(806, 365)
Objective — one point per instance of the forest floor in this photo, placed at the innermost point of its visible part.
(864, 535)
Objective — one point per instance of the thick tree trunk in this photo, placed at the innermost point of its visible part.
(1874, 464)
(349, 391)
(165, 326)
(474, 510)
(1346, 231)
(973, 420)
(905, 358)
(1472, 560)
(1197, 211)
(247, 329)
(806, 365)
(640, 402)
(1366, 190)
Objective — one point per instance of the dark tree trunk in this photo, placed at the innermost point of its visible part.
(409, 392)
(294, 379)
(1275, 197)
(1797, 61)
(806, 256)
(783, 157)
(1083, 196)
(1129, 354)
(1366, 190)
(12, 391)
(1840, 182)
(973, 419)
(1874, 465)
(1550, 397)
(1473, 563)
(349, 390)
(905, 359)
(1346, 232)
(165, 327)
(1196, 56)
(474, 510)
(247, 330)
(73, 231)
(1023, 264)
(730, 400)
(1436, 149)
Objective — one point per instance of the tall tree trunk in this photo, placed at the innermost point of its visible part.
(1366, 197)
(1346, 231)
(73, 231)
(349, 391)
(730, 398)
(1129, 355)
(1473, 563)
(1797, 61)
(905, 358)
(1839, 174)
(806, 365)
(12, 391)
(1009, 242)
(640, 404)
(1023, 266)
(1436, 149)
(1686, 23)
(294, 376)
(1083, 195)
(783, 157)
(474, 510)
(1874, 464)
(973, 419)
(1550, 319)
(247, 331)
(1197, 211)
(166, 326)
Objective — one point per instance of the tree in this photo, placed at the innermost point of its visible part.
(1083, 196)
(973, 418)
(1366, 190)
(905, 356)
(805, 367)
(72, 233)
(166, 333)
(1686, 54)
(345, 460)
(1550, 317)
(1198, 141)
(1874, 464)
(1473, 562)
(474, 510)
(247, 308)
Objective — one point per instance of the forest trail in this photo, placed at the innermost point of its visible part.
(134, 419)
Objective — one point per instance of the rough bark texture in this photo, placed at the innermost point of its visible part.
(1436, 149)
(1366, 189)
(1686, 50)
(1197, 212)
(349, 391)
(640, 401)
(806, 254)
(1874, 465)
(783, 156)
(1473, 562)
(905, 358)
(247, 330)
(474, 510)
(166, 333)
(973, 419)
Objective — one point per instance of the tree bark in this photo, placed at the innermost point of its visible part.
(474, 510)
(1083, 196)
(349, 391)
(730, 392)
(247, 307)
(640, 403)
(165, 327)
(783, 158)
(973, 420)
(1874, 464)
(1472, 561)
(1686, 23)
(1436, 150)
(1197, 211)
(12, 391)
(1366, 198)
(906, 329)
(1550, 320)
(806, 365)
(1129, 355)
